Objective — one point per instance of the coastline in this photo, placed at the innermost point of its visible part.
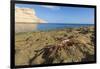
(28, 42)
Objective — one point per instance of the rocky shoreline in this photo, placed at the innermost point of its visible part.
(55, 46)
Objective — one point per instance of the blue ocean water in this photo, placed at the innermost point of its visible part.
(51, 26)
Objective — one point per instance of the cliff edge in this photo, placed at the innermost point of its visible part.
(26, 19)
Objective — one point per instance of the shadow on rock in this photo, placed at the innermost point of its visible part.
(46, 55)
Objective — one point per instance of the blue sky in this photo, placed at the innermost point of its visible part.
(58, 14)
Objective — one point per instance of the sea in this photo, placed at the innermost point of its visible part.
(52, 26)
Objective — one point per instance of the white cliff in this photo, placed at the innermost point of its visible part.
(26, 19)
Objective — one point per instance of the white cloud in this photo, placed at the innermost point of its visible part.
(48, 6)
(51, 7)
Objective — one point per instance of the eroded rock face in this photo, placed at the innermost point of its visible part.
(26, 19)
(54, 47)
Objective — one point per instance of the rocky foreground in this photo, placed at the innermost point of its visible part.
(55, 46)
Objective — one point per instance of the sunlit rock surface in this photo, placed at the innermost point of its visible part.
(26, 19)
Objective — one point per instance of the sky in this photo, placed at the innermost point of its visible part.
(58, 14)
